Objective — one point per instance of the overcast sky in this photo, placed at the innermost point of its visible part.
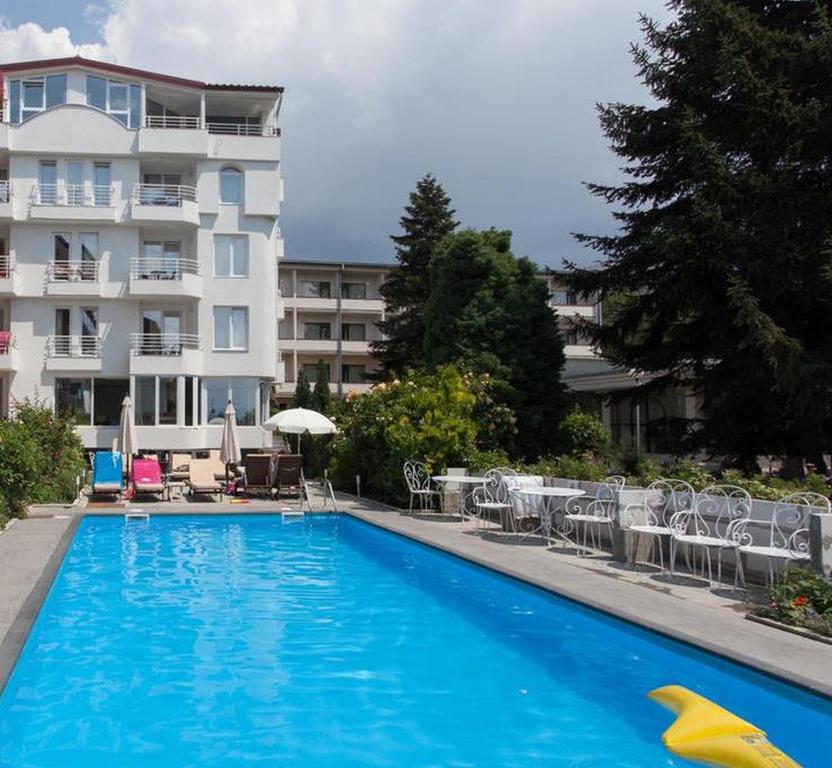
(495, 97)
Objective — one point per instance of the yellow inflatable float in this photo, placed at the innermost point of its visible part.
(707, 733)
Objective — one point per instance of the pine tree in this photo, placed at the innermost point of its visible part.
(321, 396)
(303, 393)
(722, 267)
(489, 312)
(427, 220)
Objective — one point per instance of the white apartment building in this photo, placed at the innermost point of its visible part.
(329, 311)
(139, 243)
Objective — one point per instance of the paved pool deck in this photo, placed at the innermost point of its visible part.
(683, 608)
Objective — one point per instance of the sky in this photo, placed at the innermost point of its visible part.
(496, 98)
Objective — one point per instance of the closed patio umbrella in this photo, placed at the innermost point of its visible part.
(296, 421)
(230, 445)
(128, 444)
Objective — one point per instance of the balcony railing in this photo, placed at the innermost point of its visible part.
(162, 267)
(73, 195)
(6, 342)
(173, 121)
(170, 195)
(6, 267)
(74, 346)
(243, 129)
(72, 271)
(5, 191)
(165, 344)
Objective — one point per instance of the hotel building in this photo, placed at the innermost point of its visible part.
(139, 246)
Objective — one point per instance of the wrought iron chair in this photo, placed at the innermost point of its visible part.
(597, 514)
(419, 484)
(616, 481)
(788, 539)
(662, 499)
(493, 497)
(711, 524)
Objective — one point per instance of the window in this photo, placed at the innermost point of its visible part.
(108, 395)
(322, 331)
(230, 256)
(75, 182)
(161, 260)
(48, 182)
(101, 184)
(145, 412)
(14, 101)
(353, 332)
(244, 399)
(121, 100)
(55, 90)
(353, 290)
(310, 370)
(97, 92)
(190, 381)
(231, 328)
(563, 297)
(167, 400)
(216, 398)
(231, 186)
(315, 289)
(243, 394)
(73, 398)
(353, 374)
(33, 95)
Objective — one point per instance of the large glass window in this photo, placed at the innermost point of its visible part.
(353, 332)
(244, 399)
(55, 90)
(242, 393)
(353, 374)
(189, 400)
(216, 398)
(167, 400)
(231, 186)
(108, 396)
(121, 100)
(14, 101)
(145, 406)
(318, 331)
(310, 370)
(353, 290)
(97, 92)
(73, 398)
(315, 289)
(230, 256)
(231, 328)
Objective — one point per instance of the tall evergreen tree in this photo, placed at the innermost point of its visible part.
(489, 312)
(427, 219)
(303, 392)
(723, 261)
(321, 396)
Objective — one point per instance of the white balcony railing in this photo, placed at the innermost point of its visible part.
(72, 271)
(166, 344)
(6, 267)
(72, 195)
(243, 129)
(74, 346)
(168, 195)
(173, 121)
(5, 191)
(6, 342)
(162, 267)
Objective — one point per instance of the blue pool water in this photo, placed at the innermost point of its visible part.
(246, 641)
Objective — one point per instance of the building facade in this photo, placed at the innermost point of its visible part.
(139, 244)
(328, 311)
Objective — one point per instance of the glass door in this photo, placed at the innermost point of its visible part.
(61, 269)
(171, 329)
(101, 184)
(89, 331)
(61, 343)
(89, 255)
(75, 182)
(48, 183)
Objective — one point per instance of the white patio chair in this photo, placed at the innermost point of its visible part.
(419, 484)
(710, 525)
(597, 514)
(616, 481)
(788, 537)
(521, 506)
(662, 499)
(493, 497)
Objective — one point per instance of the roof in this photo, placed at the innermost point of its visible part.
(106, 66)
(385, 266)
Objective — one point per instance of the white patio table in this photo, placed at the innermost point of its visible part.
(548, 493)
(462, 480)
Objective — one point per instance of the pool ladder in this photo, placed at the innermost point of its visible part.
(137, 515)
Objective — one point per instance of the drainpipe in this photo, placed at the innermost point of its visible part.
(339, 351)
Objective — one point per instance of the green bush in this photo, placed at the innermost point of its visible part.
(426, 417)
(584, 433)
(803, 599)
(579, 469)
(19, 456)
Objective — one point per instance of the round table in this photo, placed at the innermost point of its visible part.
(547, 493)
(461, 480)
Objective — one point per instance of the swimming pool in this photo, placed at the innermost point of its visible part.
(245, 640)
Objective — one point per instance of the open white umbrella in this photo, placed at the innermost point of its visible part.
(230, 445)
(296, 421)
(128, 444)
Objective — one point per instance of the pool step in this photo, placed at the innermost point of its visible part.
(136, 515)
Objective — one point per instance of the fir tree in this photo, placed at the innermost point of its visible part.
(321, 396)
(428, 218)
(303, 393)
(489, 312)
(722, 267)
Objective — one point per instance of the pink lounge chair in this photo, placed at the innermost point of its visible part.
(147, 477)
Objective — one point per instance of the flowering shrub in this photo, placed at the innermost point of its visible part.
(803, 599)
(584, 433)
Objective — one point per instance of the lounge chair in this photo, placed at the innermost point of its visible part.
(259, 473)
(201, 478)
(108, 473)
(289, 473)
(179, 463)
(147, 478)
(217, 467)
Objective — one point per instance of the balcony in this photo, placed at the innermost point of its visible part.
(72, 202)
(7, 276)
(165, 276)
(8, 353)
(6, 192)
(72, 278)
(280, 306)
(169, 354)
(165, 203)
(73, 353)
(244, 140)
(280, 372)
(179, 135)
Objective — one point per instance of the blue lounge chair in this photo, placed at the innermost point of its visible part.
(108, 473)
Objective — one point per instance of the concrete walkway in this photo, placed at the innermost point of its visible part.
(684, 608)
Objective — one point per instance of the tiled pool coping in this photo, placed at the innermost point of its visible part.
(692, 616)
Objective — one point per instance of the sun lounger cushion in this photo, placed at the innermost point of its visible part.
(108, 471)
(147, 476)
(201, 477)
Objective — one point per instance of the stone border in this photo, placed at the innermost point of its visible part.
(22, 625)
(795, 630)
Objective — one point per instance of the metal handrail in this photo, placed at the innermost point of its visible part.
(72, 271)
(163, 343)
(163, 194)
(73, 195)
(5, 191)
(6, 342)
(162, 267)
(173, 121)
(243, 129)
(6, 266)
(74, 346)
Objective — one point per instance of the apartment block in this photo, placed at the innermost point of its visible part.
(329, 311)
(139, 243)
